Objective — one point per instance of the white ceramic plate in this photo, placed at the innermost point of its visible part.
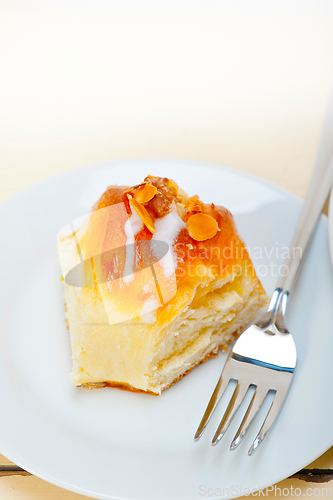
(114, 444)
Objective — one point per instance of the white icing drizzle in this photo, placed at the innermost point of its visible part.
(136, 222)
(148, 311)
(132, 227)
(167, 229)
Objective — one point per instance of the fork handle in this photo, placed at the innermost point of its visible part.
(312, 208)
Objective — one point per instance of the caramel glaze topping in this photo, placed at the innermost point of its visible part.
(220, 252)
(165, 195)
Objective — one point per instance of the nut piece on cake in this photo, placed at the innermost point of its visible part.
(156, 282)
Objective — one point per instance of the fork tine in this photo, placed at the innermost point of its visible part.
(213, 402)
(253, 408)
(229, 414)
(269, 420)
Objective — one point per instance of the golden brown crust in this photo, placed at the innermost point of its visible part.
(115, 385)
(223, 254)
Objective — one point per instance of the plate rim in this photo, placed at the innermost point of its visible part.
(330, 224)
(114, 163)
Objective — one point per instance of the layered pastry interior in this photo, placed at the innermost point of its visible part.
(155, 282)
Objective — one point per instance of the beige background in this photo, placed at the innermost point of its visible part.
(85, 82)
(81, 85)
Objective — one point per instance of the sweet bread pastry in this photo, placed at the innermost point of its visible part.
(156, 282)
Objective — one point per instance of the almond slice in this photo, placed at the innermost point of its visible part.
(181, 209)
(202, 227)
(129, 190)
(142, 212)
(173, 184)
(145, 193)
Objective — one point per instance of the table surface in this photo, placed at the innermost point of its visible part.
(219, 86)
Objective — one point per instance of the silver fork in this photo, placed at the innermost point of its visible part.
(264, 356)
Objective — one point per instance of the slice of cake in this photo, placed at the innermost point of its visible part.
(156, 282)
